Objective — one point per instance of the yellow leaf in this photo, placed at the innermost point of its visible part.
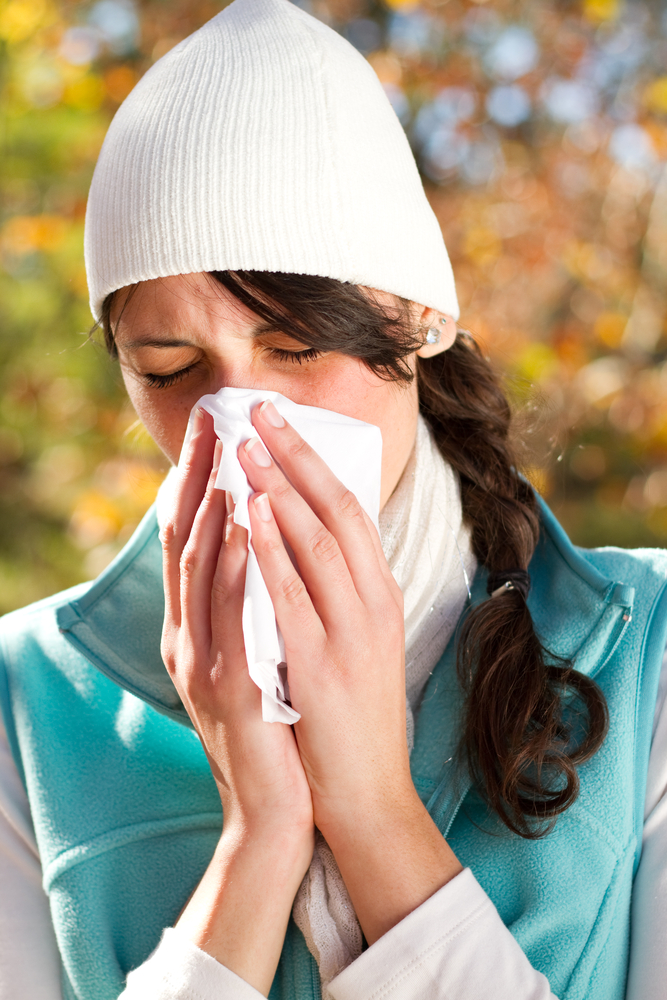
(143, 483)
(658, 135)
(655, 95)
(24, 234)
(609, 328)
(19, 19)
(537, 361)
(601, 10)
(95, 519)
(119, 81)
(482, 245)
(387, 67)
(85, 94)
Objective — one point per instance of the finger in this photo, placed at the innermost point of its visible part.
(194, 470)
(228, 587)
(318, 554)
(295, 613)
(200, 558)
(337, 507)
(392, 586)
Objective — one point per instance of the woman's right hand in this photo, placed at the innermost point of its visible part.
(244, 900)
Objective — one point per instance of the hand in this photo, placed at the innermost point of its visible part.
(341, 617)
(240, 909)
(256, 765)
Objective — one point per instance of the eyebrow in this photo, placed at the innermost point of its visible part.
(256, 331)
(176, 342)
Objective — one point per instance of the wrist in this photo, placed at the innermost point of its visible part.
(366, 811)
(267, 842)
(392, 858)
(240, 910)
(289, 819)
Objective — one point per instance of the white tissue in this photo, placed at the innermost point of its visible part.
(353, 451)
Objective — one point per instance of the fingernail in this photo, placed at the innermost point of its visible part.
(257, 453)
(198, 421)
(229, 503)
(263, 507)
(217, 455)
(229, 527)
(270, 414)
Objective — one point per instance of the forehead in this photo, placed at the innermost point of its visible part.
(180, 305)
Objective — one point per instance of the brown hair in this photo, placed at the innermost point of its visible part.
(530, 719)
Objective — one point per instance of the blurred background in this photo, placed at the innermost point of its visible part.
(540, 127)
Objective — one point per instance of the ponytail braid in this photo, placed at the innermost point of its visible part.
(517, 737)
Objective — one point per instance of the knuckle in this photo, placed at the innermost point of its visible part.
(167, 655)
(222, 590)
(189, 465)
(168, 535)
(272, 546)
(173, 663)
(281, 490)
(173, 539)
(189, 562)
(347, 505)
(298, 448)
(292, 589)
(324, 546)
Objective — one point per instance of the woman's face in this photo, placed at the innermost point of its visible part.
(181, 337)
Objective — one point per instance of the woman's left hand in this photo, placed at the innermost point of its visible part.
(341, 617)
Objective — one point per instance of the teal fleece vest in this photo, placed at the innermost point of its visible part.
(127, 816)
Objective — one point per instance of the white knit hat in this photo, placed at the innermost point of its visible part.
(263, 142)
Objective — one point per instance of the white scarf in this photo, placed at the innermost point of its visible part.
(429, 552)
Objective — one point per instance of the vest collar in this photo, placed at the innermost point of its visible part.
(117, 623)
(578, 613)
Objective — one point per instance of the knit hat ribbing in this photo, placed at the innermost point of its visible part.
(264, 142)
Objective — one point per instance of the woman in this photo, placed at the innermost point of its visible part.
(463, 820)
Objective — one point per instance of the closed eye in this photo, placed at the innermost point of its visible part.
(298, 357)
(155, 381)
(164, 381)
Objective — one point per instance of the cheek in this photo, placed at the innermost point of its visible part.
(344, 385)
(357, 392)
(164, 417)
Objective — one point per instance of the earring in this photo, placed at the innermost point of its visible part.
(433, 336)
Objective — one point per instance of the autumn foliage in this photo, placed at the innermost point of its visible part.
(541, 132)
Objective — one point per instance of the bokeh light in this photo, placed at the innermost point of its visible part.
(541, 133)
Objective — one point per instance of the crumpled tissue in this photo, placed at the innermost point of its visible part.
(353, 451)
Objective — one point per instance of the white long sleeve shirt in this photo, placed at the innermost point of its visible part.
(433, 954)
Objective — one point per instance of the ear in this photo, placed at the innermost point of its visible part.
(441, 330)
